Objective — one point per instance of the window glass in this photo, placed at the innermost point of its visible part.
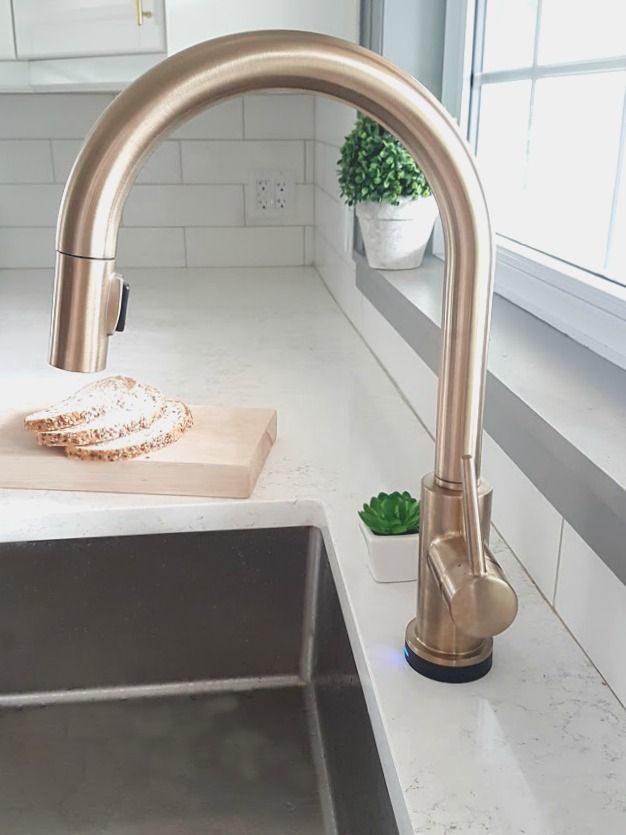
(573, 151)
(502, 146)
(580, 30)
(509, 34)
(550, 128)
(616, 259)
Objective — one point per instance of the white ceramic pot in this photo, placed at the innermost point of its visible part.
(396, 237)
(392, 559)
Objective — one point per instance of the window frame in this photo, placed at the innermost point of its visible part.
(587, 307)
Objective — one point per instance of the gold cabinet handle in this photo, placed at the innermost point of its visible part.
(141, 12)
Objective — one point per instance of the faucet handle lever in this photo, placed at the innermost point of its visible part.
(121, 318)
(479, 597)
(471, 518)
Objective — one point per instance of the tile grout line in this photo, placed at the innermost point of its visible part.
(558, 563)
(180, 162)
(52, 165)
(556, 612)
(183, 230)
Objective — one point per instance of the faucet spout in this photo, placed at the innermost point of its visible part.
(88, 290)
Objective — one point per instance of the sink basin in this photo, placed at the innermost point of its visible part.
(181, 684)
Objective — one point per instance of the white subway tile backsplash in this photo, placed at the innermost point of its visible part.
(221, 121)
(524, 517)
(27, 247)
(333, 121)
(592, 602)
(301, 215)
(309, 245)
(334, 221)
(338, 274)
(413, 377)
(233, 162)
(25, 161)
(155, 247)
(50, 115)
(137, 247)
(326, 160)
(279, 116)
(188, 205)
(309, 161)
(29, 205)
(41, 135)
(64, 152)
(261, 246)
(162, 166)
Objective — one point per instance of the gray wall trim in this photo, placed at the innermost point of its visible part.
(371, 24)
(589, 498)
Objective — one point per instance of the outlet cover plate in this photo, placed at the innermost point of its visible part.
(271, 197)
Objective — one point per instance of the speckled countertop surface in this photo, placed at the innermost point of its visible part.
(538, 747)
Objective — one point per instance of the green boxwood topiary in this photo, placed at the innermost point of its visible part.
(375, 167)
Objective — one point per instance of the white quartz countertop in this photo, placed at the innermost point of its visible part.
(539, 745)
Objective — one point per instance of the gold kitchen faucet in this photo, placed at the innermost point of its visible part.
(463, 597)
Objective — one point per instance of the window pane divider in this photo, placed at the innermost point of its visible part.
(621, 161)
(533, 89)
(550, 70)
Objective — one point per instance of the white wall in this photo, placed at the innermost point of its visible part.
(189, 204)
(7, 47)
(187, 18)
(413, 38)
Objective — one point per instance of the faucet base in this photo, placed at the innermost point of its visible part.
(450, 675)
(448, 667)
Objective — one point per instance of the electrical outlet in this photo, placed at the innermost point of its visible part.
(271, 194)
(281, 192)
(263, 193)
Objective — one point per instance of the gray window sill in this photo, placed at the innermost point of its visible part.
(555, 407)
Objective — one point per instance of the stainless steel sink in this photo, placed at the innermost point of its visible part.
(181, 684)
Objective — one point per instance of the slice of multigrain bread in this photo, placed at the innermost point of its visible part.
(173, 421)
(85, 404)
(134, 409)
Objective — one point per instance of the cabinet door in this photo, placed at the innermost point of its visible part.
(72, 28)
(7, 49)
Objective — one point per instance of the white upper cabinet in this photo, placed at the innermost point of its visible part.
(192, 21)
(7, 48)
(80, 44)
(75, 28)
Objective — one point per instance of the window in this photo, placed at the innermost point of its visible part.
(548, 122)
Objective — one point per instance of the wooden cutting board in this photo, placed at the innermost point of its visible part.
(220, 456)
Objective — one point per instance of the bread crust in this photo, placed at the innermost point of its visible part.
(140, 416)
(136, 449)
(75, 411)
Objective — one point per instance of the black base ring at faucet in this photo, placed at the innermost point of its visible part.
(451, 675)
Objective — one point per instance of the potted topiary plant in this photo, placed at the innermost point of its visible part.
(390, 525)
(393, 200)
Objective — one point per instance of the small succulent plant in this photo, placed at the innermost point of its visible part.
(391, 514)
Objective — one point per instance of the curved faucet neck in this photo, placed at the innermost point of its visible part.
(181, 86)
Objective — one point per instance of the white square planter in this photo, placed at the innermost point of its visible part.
(391, 559)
